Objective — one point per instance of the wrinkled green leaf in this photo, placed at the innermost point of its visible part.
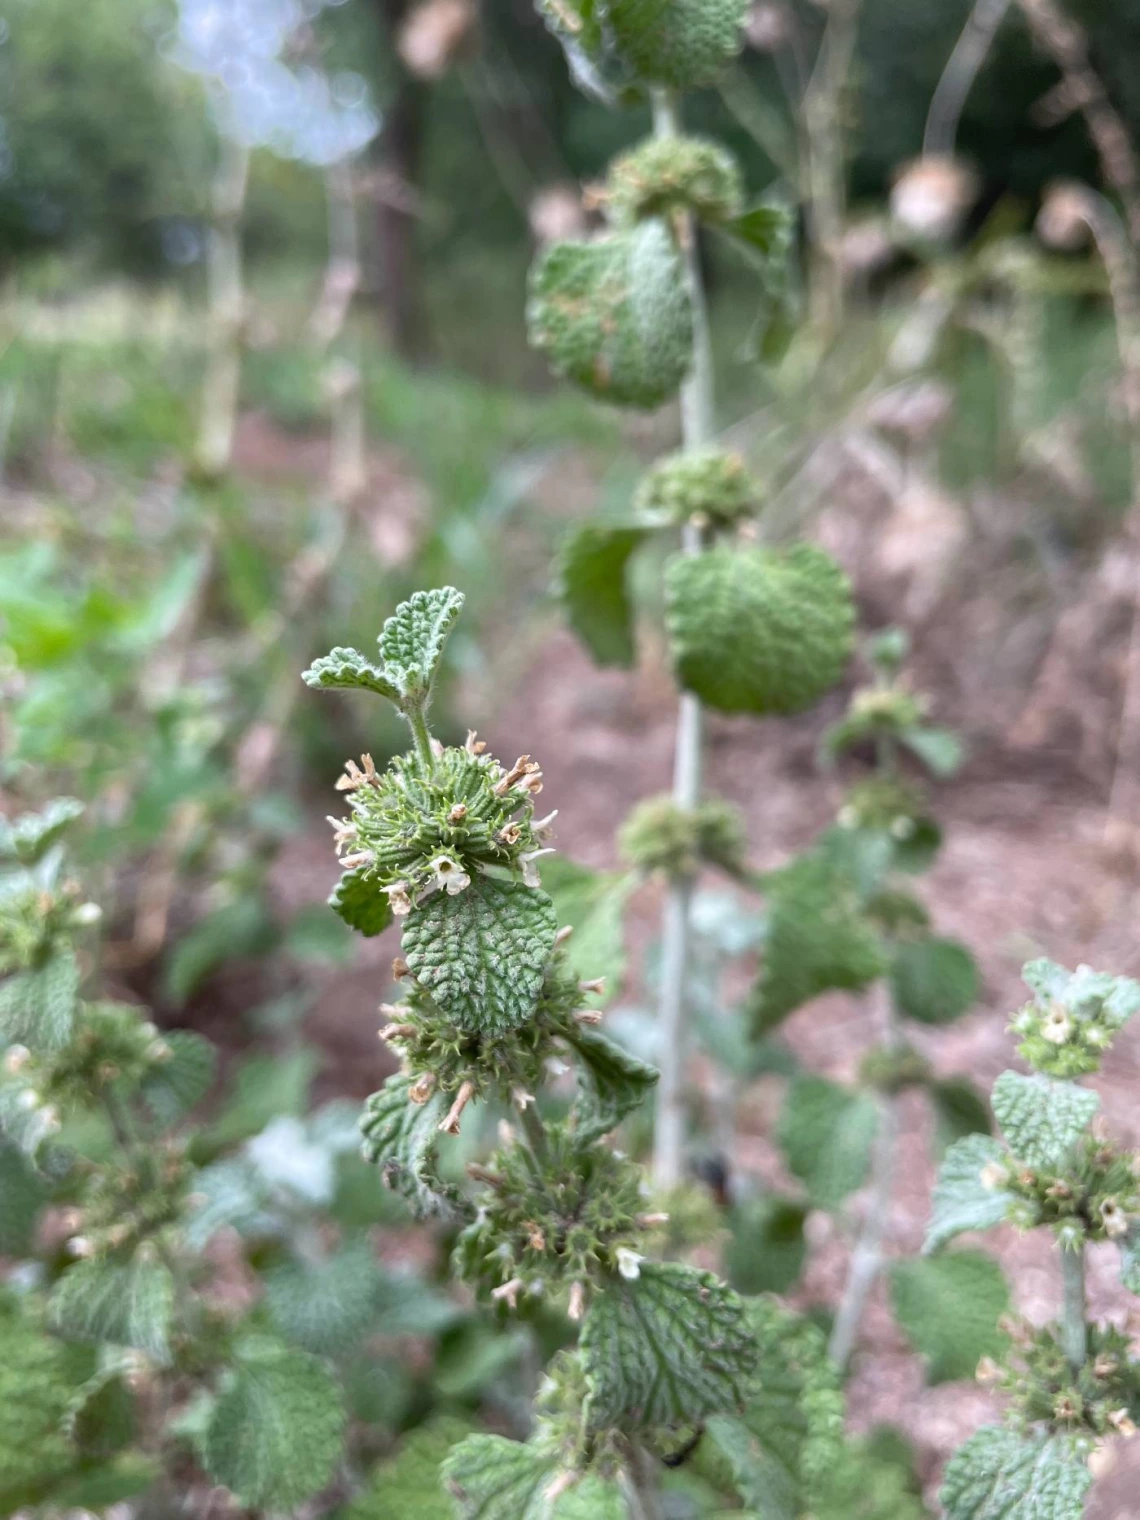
(360, 902)
(129, 1303)
(614, 1082)
(592, 903)
(37, 1383)
(171, 1090)
(38, 1007)
(402, 1138)
(826, 1133)
(1001, 1475)
(962, 1200)
(409, 1484)
(938, 749)
(28, 837)
(482, 954)
(1130, 1259)
(592, 584)
(767, 1250)
(670, 1346)
(413, 638)
(949, 1307)
(933, 981)
(347, 670)
(758, 631)
(818, 940)
(276, 1432)
(1041, 1119)
(326, 1306)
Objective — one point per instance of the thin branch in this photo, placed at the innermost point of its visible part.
(1074, 1324)
(970, 53)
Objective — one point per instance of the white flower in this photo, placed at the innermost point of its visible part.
(629, 1263)
(398, 899)
(529, 869)
(994, 1176)
(1057, 1026)
(449, 875)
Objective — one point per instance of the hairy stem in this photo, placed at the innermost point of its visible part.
(867, 1257)
(825, 130)
(417, 722)
(642, 1493)
(1074, 1323)
(698, 429)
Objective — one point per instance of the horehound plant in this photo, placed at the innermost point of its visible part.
(752, 628)
(670, 1363)
(1075, 1384)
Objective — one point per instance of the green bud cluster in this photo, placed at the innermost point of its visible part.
(452, 1056)
(112, 1047)
(889, 805)
(422, 827)
(660, 836)
(1100, 1399)
(1094, 1198)
(1073, 1017)
(568, 1216)
(36, 917)
(709, 486)
(667, 174)
(137, 1203)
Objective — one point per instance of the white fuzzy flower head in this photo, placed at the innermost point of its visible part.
(1057, 1026)
(994, 1176)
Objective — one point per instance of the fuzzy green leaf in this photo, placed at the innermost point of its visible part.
(959, 1110)
(792, 1429)
(818, 940)
(592, 903)
(1041, 1119)
(826, 1133)
(37, 1384)
(493, 1478)
(360, 902)
(933, 981)
(348, 670)
(128, 1303)
(401, 1138)
(28, 837)
(948, 1307)
(38, 1007)
(759, 631)
(412, 639)
(1001, 1475)
(614, 315)
(767, 1251)
(409, 1483)
(328, 1306)
(482, 954)
(670, 1346)
(679, 43)
(614, 1082)
(22, 1195)
(277, 1431)
(962, 1200)
(592, 584)
(171, 1090)
(938, 749)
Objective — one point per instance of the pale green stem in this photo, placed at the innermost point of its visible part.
(698, 429)
(226, 294)
(642, 1493)
(1074, 1324)
(867, 1257)
(417, 722)
(958, 77)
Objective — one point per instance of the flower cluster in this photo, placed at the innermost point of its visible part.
(708, 486)
(1073, 1017)
(660, 836)
(557, 1221)
(1099, 1399)
(419, 828)
(1095, 1198)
